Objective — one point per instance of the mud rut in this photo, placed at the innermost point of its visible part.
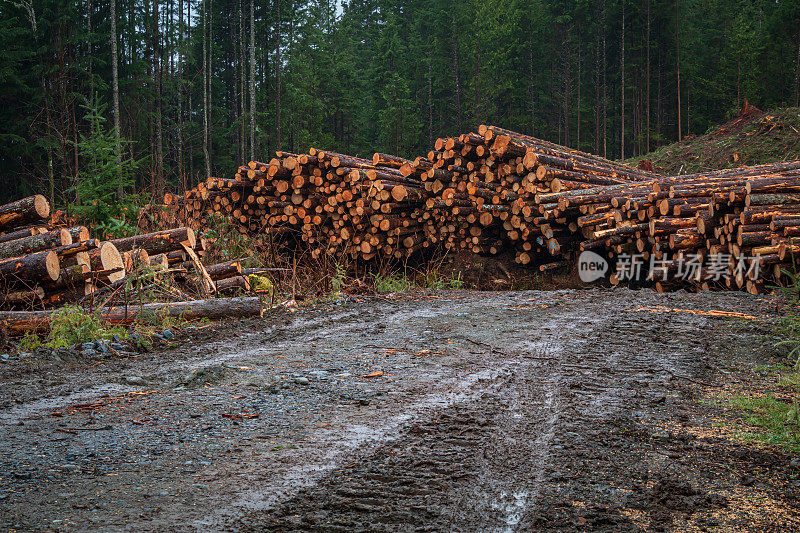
(554, 426)
(539, 411)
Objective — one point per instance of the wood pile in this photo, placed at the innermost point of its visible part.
(732, 229)
(331, 203)
(485, 188)
(495, 191)
(44, 264)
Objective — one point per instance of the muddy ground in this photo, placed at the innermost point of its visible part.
(460, 411)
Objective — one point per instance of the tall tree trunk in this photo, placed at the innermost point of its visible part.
(688, 93)
(797, 72)
(597, 92)
(739, 81)
(567, 86)
(578, 101)
(115, 88)
(430, 96)
(660, 93)
(605, 80)
(531, 88)
(89, 46)
(158, 71)
(647, 99)
(206, 76)
(252, 82)
(678, 53)
(278, 74)
(457, 72)
(622, 86)
(241, 82)
(179, 122)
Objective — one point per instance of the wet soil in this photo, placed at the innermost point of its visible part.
(515, 411)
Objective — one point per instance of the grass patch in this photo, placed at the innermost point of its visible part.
(387, 283)
(778, 419)
(69, 326)
(431, 280)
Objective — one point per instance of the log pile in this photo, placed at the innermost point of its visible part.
(732, 229)
(329, 202)
(495, 191)
(44, 264)
(485, 188)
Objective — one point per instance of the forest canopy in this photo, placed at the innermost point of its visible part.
(193, 88)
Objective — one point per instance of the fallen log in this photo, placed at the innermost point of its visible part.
(34, 267)
(19, 322)
(158, 242)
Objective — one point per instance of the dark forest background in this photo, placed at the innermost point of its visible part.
(194, 88)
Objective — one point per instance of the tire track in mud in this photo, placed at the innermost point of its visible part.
(498, 412)
(507, 459)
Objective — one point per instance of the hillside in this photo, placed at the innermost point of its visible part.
(753, 138)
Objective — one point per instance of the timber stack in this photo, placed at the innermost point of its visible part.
(331, 203)
(496, 191)
(45, 264)
(485, 188)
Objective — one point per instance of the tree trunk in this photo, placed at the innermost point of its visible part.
(34, 267)
(158, 72)
(678, 53)
(252, 82)
(605, 84)
(115, 87)
(158, 242)
(30, 210)
(622, 86)
(18, 322)
(797, 73)
(531, 89)
(35, 243)
(578, 100)
(278, 74)
(457, 73)
(647, 90)
(206, 77)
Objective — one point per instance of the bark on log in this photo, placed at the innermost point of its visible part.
(34, 267)
(28, 210)
(35, 243)
(18, 322)
(158, 242)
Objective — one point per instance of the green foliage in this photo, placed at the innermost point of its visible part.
(364, 76)
(386, 283)
(789, 325)
(456, 283)
(339, 278)
(69, 326)
(105, 173)
(229, 244)
(779, 420)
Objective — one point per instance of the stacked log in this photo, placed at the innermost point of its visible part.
(331, 203)
(44, 265)
(495, 190)
(728, 229)
(485, 188)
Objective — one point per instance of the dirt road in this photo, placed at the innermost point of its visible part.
(527, 411)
